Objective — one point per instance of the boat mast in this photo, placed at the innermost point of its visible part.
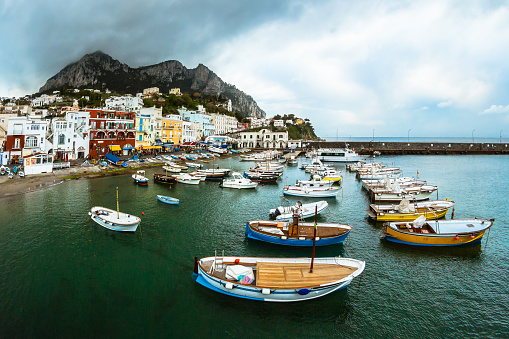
(118, 211)
(314, 241)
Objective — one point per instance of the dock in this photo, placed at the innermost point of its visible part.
(295, 154)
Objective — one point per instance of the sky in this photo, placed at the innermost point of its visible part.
(419, 68)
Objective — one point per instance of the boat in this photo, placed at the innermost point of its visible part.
(114, 220)
(312, 192)
(172, 169)
(140, 178)
(238, 181)
(316, 181)
(295, 233)
(104, 163)
(168, 200)
(115, 160)
(407, 211)
(338, 155)
(454, 232)
(200, 176)
(262, 177)
(10, 175)
(2, 170)
(303, 211)
(397, 193)
(193, 165)
(21, 174)
(164, 178)
(214, 174)
(276, 279)
(293, 160)
(187, 179)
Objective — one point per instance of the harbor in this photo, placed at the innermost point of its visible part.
(74, 276)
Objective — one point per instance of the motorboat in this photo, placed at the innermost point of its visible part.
(303, 211)
(168, 200)
(140, 178)
(238, 181)
(200, 176)
(295, 233)
(409, 211)
(292, 160)
(193, 165)
(312, 192)
(262, 177)
(316, 181)
(214, 174)
(114, 220)
(187, 179)
(454, 232)
(338, 155)
(276, 279)
(397, 193)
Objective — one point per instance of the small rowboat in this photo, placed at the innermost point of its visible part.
(168, 200)
(454, 232)
(114, 220)
(406, 211)
(303, 211)
(276, 279)
(164, 179)
(140, 178)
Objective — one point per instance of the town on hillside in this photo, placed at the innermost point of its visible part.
(76, 124)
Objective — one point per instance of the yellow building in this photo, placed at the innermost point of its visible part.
(171, 129)
(299, 121)
(175, 91)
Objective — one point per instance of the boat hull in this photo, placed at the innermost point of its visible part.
(252, 234)
(311, 194)
(441, 241)
(408, 216)
(126, 227)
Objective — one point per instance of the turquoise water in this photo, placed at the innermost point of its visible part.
(64, 275)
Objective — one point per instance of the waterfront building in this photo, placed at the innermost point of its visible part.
(111, 131)
(223, 124)
(126, 103)
(292, 144)
(68, 136)
(147, 126)
(4, 122)
(171, 130)
(199, 117)
(188, 133)
(263, 139)
(25, 136)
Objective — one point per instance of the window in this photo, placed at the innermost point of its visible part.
(140, 138)
(61, 139)
(17, 141)
(250, 136)
(164, 124)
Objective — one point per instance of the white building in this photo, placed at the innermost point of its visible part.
(223, 124)
(279, 123)
(263, 139)
(26, 136)
(125, 103)
(43, 100)
(69, 136)
(188, 133)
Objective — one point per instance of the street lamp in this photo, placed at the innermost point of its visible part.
(409, 134)
(501, 136)
(473, 135)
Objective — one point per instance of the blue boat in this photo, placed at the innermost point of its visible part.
(15, 169)
(168, 200)
(234, 151)
(296, 233)
(174, 157)
(115, 160)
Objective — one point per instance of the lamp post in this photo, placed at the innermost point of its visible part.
(501, 136)
(409, 134)
(473, 135)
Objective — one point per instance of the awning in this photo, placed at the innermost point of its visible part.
(151, 147)
(127, 147)
(115, 148)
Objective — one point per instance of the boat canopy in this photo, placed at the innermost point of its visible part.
(112, 158)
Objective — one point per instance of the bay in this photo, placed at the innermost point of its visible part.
(63, 275)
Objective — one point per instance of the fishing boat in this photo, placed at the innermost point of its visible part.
(187, 179)
(397, 193)
(238, 181)
(168, 200)
(197, 175)
(262, 177)
(276, 279)
(295, 233)
(140, 178)
(311, 192)
(303, 211)
(164, 178)
(293, 160)
(407, 211)
(316, 181)
(114, 220)
(338, 155)
(193, 165)
(455, 232)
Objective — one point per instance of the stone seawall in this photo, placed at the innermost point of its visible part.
(369, 147)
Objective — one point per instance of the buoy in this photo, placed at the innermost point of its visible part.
(69, 212)
(263, 184)
(472, 237)
(456, 237)
(142, 213)
(237, 261)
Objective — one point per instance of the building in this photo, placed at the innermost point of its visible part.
(43, 100)
(299, 121)
(263, 139)
(279, 123)
(69, 136)
(223, 124)
(171, 130)
(188, 133)
(200, 117)
(25, 136)
(124, 103)
(38, 163)
(111, 130)
(175, 91)
(292, 144)
(148, 92)
(4, 122)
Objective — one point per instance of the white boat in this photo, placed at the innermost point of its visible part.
(316, 181)
(293, 160)
(21, 174)
(338, 155)
(193, 165)
(276, 279)
(197, 175)
(238, 181)
(187, 179)
(172, 169)
(217, 150)
(312, 192)
(303, 211)
(114, 220)
(10, 175)
(140, 178)
(397, 193)
(2, 170)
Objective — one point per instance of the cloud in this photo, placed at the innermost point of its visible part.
(496, 109)
(444, 104)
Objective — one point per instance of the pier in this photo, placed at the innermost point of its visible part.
(397, 148)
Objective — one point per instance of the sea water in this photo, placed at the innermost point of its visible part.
(63, 275)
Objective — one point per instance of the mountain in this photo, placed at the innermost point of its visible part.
(99, 70)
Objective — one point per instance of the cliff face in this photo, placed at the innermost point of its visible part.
(99, 70)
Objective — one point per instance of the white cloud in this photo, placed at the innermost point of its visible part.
(445, 104)
(496, 109)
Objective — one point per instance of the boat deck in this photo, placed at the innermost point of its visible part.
(296, 275)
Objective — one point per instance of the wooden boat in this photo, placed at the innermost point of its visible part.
(187, 179)
(454, 232)
(397, 193)
(295, 233)
(303, 211)
(316, 181)
(311, 192)
(214, 174)
(164, 179)
(172, 169)
(407, 211)
(168, 200)
(140, 178)
(114, 220)
(262, 177)
(276, 279)
(238, 181)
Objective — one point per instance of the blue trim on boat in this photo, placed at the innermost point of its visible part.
(202, 281)
(392, 239)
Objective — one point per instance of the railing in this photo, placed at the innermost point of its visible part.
(60, 165)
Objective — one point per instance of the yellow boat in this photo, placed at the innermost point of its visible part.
(407, 211)
(437, 232)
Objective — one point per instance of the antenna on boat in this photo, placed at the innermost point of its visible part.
(118, 211)
(314, 240)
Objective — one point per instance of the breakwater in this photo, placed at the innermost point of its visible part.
(396, 148)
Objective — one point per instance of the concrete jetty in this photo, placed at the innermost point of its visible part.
(395, 148)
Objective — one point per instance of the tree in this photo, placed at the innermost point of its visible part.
(148, 102)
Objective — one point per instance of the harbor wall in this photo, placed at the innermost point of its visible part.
(369, 147)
